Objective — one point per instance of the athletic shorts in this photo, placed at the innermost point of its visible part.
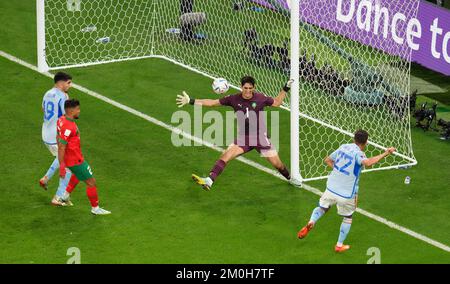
(264, 147)
(82, 171)
(53, 149)
(345, 206)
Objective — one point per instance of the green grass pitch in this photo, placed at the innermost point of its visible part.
(159, 215)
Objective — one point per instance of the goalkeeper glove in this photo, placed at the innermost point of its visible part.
(184, 99)
(288, 85)
(62, 170)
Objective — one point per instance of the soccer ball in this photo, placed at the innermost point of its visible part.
(220, 86)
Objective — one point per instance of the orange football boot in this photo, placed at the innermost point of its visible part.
(305, 230)
(341, 248)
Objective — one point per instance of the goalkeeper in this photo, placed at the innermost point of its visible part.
(252, 132)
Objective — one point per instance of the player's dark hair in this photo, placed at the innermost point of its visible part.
(248, 79)
(71, 103)
(61, 76)
(361, 137)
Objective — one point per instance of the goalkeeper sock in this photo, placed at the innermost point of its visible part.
(92, 195)
(217, 169)
(345, 228)
(209, 181)
(316, 214)
(284, 171)
(72, 183)
(51, 171)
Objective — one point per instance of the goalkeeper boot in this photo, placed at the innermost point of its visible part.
(341, 248)
(206, 183)
(43, 182)
(305, 230)
(99, 211)
(296, 182)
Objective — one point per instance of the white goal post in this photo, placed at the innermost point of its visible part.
(295, 92)
(349, 72)
(40, 18)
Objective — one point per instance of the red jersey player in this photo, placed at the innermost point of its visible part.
(69, 155)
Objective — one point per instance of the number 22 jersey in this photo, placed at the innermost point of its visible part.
(344, 178)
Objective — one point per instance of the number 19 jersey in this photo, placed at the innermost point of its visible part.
(53, 106)
(344, 178)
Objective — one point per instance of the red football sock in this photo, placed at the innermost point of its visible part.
(72, 183)
(92, 195)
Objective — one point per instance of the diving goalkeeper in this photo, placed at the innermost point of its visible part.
(252, 131)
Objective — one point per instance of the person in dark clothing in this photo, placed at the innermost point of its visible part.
(186, 6)
(283, 53)
(187, 30)
(190, 20)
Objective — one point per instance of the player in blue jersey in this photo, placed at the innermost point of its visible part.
(342, 185)
(53, 108)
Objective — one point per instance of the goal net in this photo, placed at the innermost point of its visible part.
(353, 75)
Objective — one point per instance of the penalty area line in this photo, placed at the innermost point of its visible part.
(214, 147)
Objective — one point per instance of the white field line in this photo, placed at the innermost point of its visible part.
(242, 159)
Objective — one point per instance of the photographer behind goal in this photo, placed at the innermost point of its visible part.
(189, 20)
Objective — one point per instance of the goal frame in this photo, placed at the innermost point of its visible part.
(295, 114)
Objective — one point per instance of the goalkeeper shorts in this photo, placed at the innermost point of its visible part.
(261, 144)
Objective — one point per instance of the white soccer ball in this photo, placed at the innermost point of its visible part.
(220, 86)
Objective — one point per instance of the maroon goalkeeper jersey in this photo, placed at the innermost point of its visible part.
(249, 112)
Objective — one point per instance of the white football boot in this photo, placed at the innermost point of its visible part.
(99, 211)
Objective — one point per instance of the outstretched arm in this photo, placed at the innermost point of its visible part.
(184, 99)
(207, 102)
(278, 100)
(372, 161)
